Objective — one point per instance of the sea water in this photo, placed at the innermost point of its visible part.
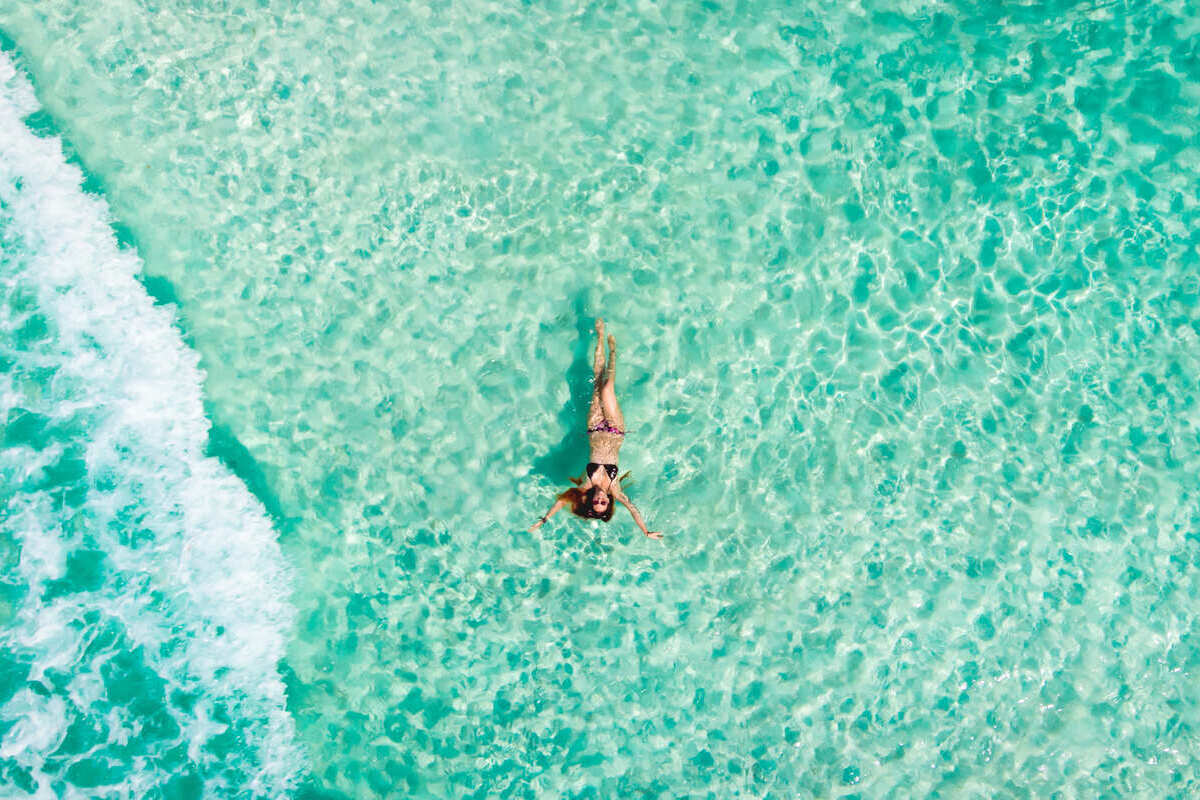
(297, 306)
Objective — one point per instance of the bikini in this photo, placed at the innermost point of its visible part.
(611, 469)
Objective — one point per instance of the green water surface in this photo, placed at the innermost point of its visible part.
(906, 296)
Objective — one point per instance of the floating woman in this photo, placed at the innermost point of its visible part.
(595, 491)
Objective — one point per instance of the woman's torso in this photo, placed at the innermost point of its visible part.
(605, 447)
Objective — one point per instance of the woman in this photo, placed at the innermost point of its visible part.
(599, 487)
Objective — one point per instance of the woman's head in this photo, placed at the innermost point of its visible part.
(595, 503)
(600, 502)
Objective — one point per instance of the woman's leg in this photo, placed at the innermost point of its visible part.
(598, 358)
(608, 392)
(596, 412)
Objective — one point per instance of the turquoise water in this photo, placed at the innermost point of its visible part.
(296, 311)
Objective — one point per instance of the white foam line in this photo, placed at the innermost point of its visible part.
(214, 554)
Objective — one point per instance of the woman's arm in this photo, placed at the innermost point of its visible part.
(553, 510)
(637, 517)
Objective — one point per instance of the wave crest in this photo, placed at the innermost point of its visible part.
(144, 603)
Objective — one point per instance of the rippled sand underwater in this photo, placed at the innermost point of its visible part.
(906, 297)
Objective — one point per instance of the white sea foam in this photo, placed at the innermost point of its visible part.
(193, 577)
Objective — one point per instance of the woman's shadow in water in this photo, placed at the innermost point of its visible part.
(567, 457)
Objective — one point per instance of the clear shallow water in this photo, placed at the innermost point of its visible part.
(907, 306)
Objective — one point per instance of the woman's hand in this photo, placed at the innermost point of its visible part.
(637, 515)
(545, 517)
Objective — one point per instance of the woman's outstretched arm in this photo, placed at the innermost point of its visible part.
(637, 516)
(553, 510)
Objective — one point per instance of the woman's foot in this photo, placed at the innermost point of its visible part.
(599, 327)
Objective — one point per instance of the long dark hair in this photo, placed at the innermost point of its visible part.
(581, 501)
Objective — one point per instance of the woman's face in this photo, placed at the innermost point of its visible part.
(600, 502)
